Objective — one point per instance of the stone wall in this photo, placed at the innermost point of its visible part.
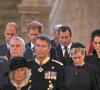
(8, 13)
(83, 16)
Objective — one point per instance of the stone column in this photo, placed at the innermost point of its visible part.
(33, 10)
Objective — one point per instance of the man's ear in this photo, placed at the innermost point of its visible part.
(17, 34)
(49, 48)
(4, 33)
(23, 48)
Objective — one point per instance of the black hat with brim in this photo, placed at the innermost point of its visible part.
(18, 62)
(77, 45)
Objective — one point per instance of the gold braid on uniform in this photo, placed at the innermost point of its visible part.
(4, 57)
(57, 62)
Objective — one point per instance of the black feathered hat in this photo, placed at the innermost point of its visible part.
(18, 62)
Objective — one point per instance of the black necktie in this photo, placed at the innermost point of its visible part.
(66, 53)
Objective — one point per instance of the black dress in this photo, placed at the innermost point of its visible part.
(81, 78)
(94, 60)
(29, 86)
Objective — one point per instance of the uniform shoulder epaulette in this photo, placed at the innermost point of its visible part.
(3, 59)
(57, 62)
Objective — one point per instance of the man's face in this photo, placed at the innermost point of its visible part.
(16, 48)
(41, 49)
(78, 58)
(96, 44)
(56, 38)
(33, 34)
(65, 38)
(10, 32)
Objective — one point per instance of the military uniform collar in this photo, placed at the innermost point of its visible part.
(43, 62)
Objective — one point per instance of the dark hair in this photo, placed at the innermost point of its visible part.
(64, 28)
(34, 24)
(44, 37)
(95, 33)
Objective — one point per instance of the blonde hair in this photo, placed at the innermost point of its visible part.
(76, 50)
(27, 75)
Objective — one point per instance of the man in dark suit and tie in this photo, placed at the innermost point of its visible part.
(34, 29)
(63, 50)
(11, 31)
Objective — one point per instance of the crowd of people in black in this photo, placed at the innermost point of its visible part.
(44, 64)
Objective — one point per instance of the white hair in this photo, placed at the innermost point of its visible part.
(18, 38)
(56, 27)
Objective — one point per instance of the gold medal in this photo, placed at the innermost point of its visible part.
(52, 67)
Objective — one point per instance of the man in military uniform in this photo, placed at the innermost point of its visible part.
(11, 31)
(47, 74)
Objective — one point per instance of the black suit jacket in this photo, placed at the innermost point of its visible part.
(60, 55)
(29, 44)
(4, 51)
(53, 53)
(53, 44)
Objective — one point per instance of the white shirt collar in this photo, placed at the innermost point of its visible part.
(68, 47)
(32, 45)
(8, 46)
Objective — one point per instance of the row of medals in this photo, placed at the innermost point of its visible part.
(47, 76)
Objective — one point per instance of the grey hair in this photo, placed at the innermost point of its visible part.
(18, 38)
(56, 28)
(76, 50)
(27, 75)
(14, 24)
(45, 38)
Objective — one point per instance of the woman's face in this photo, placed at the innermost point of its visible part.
(96, 44)
(78, 59)
(19, 74)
